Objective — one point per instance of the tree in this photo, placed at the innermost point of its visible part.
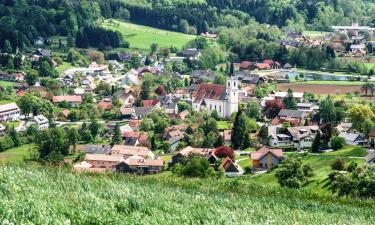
(73, 137)
(73, 116)
(219, 142)
(361, 116)
(247, 143)
(31, 77)
(7, 48)
(52, 145)
(94, 128)
(195, 167)
(272, 108)
(14, 136)
(103, 89)
(47, 70)
(26, 104)
(291, 173)
(215, 115)
(238, 130)
(210, 140)
(315, 147)
(337, 143)
(160, 90)
(223, 152)
(289, 101)
(154, 47)
(145, 89)
(184, 26)
(253, 109)
(338, 164)
(220, 79)
(117, 137)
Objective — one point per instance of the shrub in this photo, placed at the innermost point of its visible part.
(338, 164)
(337, 143)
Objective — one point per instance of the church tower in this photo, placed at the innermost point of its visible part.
(232, 96)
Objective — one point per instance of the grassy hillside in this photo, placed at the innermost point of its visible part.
(141, 37)
(110, 199)
(15, 154)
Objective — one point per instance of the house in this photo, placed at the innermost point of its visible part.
(150, 102)
(40, 121)
(136, 112)
(136, 138)
(131, 78)
(42, 53)
(298, 96)
(223, 99)
(124, 56)
(174, 134)
(191, 53)
(97, 149)
(371, 137)
(292, 137)
(169, 103)
(133, 123)
(18, 76)
(245, 65)
(209, 35)
(107, 162)
(127, 151)
(272, 64)
(105, 104)
(116, 65)
(226, 134)
(266, 158)
(82, 167)
(307, 107)
(344, 127)
(285, 114)
(370, 158)
(202, 75)
(262, 66)
(190, 151)
(9, 112)
(148, 69)
(136, 164)
(73, 100)
(354, 48)
(182, 115)
(353, 138)
(287, 66)
(231, 168)
(354, 27)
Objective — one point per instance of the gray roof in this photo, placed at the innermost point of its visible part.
(97, 149)
(203, 74)
(40, 119)
(168, 101)
(290, 113)
(142, 111)
(191, 52)
(352, 137)
(43, 52)
(370, 156)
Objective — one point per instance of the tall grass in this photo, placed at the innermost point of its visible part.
(56, 196)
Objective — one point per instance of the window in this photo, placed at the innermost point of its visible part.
(215, 107)
(219, 108)
(234, 84)
(228, 84)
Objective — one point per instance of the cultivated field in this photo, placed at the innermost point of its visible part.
(56, 196)
(321, 88)
(141, 37)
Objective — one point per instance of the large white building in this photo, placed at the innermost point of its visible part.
(223, 99)
(9, 112)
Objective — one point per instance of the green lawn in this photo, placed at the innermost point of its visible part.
(64, 66)
(223, 125)
(354, 151)
(5, 101)
(314, 34)
(141, 37)
(15, 154)
(7, 83)
(321, 166)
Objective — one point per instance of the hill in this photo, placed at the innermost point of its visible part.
(119, 199)
(141, 37)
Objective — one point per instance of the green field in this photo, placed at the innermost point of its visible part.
(315, 34)
(329, 82)
(224, 125)
(349, 151)
(30, 194)
(321, 166)
(141, 37)
(15, 154)
(7, 83)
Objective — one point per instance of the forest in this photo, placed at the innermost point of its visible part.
(66, 18)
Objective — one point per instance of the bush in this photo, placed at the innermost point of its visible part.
(337, 143)
(195, 167)
(224, 151)
(338, 164)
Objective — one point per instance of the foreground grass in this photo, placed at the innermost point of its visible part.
(141, 37)
(119, 199)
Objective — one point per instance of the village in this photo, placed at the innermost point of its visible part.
(161, 118)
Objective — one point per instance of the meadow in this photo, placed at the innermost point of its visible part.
(141, 37)
(35, 195)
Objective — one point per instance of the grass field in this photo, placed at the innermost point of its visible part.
(56, 196)
(141, 37)
(328, 82)
(15, 154)
(314, 34)
(321, 166)
(7, 83)
(223, 125)
(353, 151)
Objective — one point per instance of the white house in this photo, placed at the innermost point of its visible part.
(9, 112)
(223, 99)
(40, 121)
(295, 137)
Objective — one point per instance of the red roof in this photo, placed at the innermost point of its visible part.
(209, 91)
(141, 136)
(262, 66)
(21, 93)
(65, 112)
(264, 151)
(268, 62)
(150, 102)
(67, 98)
(372, 133)
(105, 105)
(245, 65)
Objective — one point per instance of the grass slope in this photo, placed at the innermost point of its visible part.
(7, 83)
(349, 151)
(15, 154)
(110, 199)
(141, 37)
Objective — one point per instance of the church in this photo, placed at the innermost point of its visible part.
(222, 98)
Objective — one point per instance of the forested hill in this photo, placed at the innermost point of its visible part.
(21, 21)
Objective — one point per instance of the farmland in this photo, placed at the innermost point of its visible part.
(141, 37)
(112, 199)
(321, 87)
